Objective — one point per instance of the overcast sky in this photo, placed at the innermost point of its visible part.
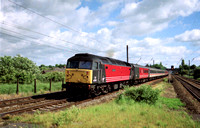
(50, 31)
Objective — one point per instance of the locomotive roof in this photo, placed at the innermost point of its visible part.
(105, 60)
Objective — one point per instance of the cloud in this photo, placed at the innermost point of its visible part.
(189, 36)
(103, 13)
(149, 16)
(104, 31)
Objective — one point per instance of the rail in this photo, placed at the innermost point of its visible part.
(190, 85)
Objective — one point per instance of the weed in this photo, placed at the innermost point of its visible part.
(161, 124)
(172, 103)
(165, 80)
(141, 94)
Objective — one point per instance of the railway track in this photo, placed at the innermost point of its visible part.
(51, 105)
(46, 102)
(23, 100)
(193, 80)
(192, 86)
(23, 104)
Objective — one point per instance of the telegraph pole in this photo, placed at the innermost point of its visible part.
(127, 52)
(189, 68)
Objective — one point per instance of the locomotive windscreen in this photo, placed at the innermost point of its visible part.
(79, 64)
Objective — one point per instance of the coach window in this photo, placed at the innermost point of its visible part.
(95, 65)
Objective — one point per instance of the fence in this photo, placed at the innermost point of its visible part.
(35, 85)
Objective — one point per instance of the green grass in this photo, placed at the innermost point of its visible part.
(27, 88)
(122, 112)
(187, 76)
(171, 103)
(114, 115)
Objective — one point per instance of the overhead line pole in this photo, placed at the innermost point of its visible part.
(127, 52)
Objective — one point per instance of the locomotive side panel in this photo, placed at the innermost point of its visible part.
(116, 73)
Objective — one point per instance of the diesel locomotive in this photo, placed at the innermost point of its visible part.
(96, 74)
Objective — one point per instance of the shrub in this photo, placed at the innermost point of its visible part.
(165, 80)
(172, 103)
(12, 68)
(54, 76)
(142, 94)
(197, 73)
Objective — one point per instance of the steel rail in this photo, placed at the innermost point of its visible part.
(195, 91)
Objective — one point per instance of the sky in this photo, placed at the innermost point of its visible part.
(51, 31)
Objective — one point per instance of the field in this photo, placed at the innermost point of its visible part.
(168, 111)
(7, 90)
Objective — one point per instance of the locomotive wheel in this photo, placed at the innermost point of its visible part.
(105, 90)
(97, 91)
(109, 88)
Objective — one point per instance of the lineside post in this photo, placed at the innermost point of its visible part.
(35, 90)
(17, 90)
(127, 52)
(62, 84)
(50, 86)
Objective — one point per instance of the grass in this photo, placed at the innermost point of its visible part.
(191, 77)
(113, 115)
(166, 112)
(28, 88)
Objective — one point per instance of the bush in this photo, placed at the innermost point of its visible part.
(12, 68)
(197, 73)
(165, 80)
(54, 76)
(142, 94)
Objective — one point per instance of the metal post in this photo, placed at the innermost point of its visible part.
(35, 89)
(50, 86)
(62, 84)
(189, 68)
(17, 91)
(127, 52)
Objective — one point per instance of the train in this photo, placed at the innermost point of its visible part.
(95, 75)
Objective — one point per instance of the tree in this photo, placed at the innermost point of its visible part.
(193, 67)
(158, 66)
(183, 62)
(19, 67)
(197, 73)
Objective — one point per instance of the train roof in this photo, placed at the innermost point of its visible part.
(140, 66)
(107, 60)
(104, 60)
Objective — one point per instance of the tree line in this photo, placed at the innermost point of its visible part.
(193, 70)
(158, 66)
(25, 70)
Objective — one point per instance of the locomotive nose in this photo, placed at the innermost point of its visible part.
(78, 76)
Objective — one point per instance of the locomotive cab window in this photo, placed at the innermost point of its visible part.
(79, 64)
(85, 65)
(73, 64)
(95, 65)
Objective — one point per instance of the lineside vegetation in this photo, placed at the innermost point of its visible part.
(25, 71)
(121, 112)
